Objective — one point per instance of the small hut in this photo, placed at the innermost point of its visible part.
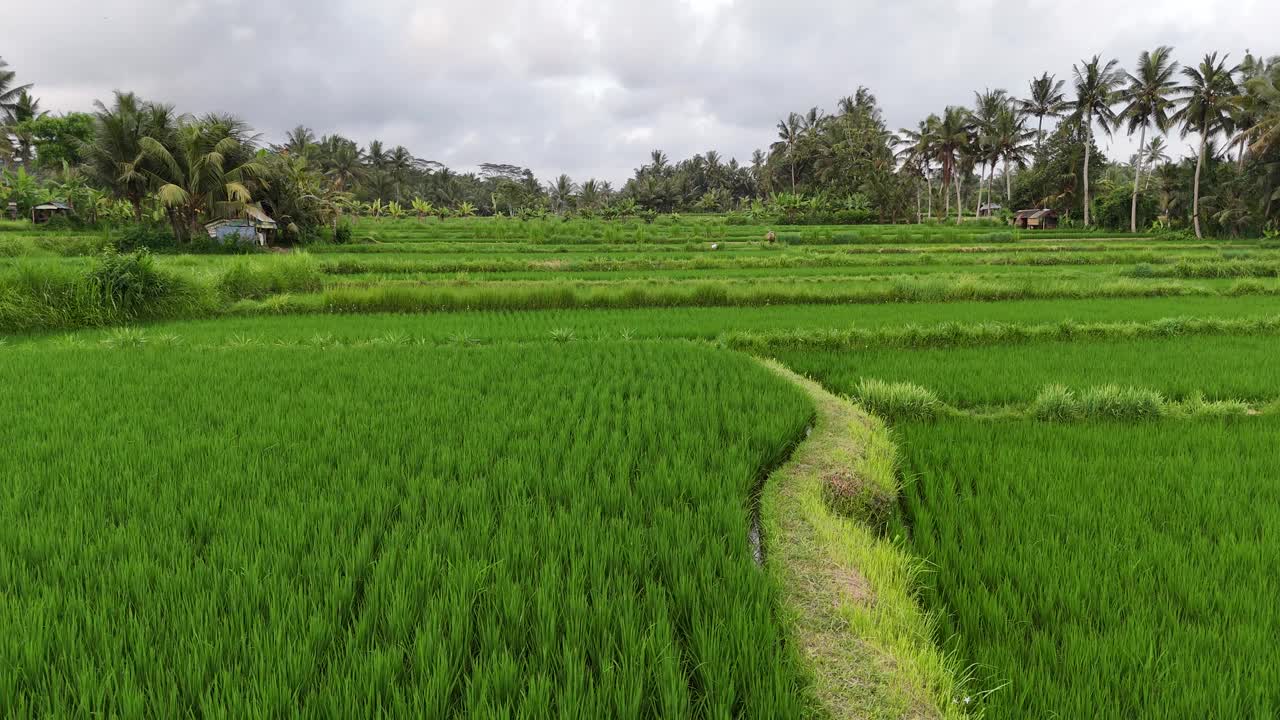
(1044, 219)
(45, 212)
(13, 210)
(256, 228)
(989, 210)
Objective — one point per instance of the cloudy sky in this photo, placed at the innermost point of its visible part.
(584, 87)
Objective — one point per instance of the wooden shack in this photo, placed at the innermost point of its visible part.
(1043, 219)
(255, 228)
(44, 212)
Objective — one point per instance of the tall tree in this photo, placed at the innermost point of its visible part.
(1208, 99)
(789, 133)
(1010, 142)
(953, 138)
(1148, 98)
(115, 154)
(1046, 99)
(1095, 85)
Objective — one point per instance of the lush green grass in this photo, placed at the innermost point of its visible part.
(762, 323)
(1222, 368)
(1103, 570)
(526, 531)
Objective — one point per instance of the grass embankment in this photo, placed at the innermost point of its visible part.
(533, 532)
(847, 591)
(1103, 570)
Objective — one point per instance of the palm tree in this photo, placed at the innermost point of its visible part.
(1155, 153)
(917, 150)
(9, 93)
(1010, 142)
(1046, 99)
(376, 155)
(24, 108)
(562, 192)
(115, 155)
(789, 134)
(1148, 98)
(953, 137)
(1095, 85)
(1207, 100)
(1263, 92)
(987, 107)
(206, 171)
(299, 141)
(465, 209)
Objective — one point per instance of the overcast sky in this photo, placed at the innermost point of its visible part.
(584, 87)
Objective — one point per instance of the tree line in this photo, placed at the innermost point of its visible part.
(141, 159)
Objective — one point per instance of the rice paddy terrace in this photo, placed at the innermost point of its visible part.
(494, 468)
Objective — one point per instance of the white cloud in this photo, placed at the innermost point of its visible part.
(585, 87)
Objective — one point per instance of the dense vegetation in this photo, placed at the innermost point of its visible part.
(135, 161)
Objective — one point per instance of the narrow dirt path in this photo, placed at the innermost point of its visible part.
(846, 590)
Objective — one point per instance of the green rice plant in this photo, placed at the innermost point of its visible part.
(563, 335)
(1239, 367)
(896, 401)
(525, 531)
(1103, 569)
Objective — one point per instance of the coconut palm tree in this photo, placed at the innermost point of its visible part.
(9, 93)
(916, 150)
(1155, 153)
(1045, 99)
(24, 108)
(205, 172)
(1095, 85)
(789, 133)
(1148, 98)
(115, 156)
(299, 141)
(987, 107)
(562, 192)
(1208, 99)
(954, 135)
(1010, 143)
(1263, 92)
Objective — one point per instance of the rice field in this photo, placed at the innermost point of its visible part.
(493, 468)
(1106, 570)
(403, 531)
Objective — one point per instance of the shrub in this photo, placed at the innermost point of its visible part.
(263, 276)
(127, 283)
(138, 236)
(343, 233)
(1112, 402)
(1056, 403)
(897, 400)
